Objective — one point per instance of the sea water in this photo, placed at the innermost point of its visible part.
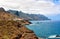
(45, 28)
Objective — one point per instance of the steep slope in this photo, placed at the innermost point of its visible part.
(38, 17)
(14, 29)
(28, 16)
(19, 14)
(5, 15)
(2, 9)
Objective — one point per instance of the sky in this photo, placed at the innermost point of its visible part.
(46, 7)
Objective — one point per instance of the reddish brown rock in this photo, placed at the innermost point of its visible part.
(14, 29)
(10, 30)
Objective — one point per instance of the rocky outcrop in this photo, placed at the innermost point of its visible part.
(2, 9)
(14, 29)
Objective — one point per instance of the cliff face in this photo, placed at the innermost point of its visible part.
(28, 16)
(15, 30)
(2, 9)
(12, 28)
(5, 15)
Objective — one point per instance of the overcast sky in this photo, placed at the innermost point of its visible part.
(33, 6)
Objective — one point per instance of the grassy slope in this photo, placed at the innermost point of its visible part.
(10, 29)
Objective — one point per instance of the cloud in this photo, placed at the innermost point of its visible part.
(32, 6)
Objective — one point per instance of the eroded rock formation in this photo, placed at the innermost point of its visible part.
(14, 29)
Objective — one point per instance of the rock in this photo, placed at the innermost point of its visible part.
(29, 36)
(10, 30)
(14, 29)
(2, 9)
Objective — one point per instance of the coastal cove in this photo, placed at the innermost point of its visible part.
(44, 29)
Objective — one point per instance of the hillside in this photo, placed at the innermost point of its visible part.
(13, 27)
(6, 16)
(28, 16)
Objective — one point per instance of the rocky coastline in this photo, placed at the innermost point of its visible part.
(12, 28)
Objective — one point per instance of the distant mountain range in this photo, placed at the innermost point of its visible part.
(28, 16)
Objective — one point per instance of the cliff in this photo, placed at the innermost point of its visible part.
(28, 16)
(13, 27)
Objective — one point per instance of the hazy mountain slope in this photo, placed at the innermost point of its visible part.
(28, 16)
(38, 17)
(20, 14)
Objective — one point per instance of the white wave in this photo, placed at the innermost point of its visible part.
(54, 36)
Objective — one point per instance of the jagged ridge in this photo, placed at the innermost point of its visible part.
(28, 16)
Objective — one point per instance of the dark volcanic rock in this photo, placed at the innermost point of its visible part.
(2, 9)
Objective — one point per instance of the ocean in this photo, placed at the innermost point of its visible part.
(45, 29)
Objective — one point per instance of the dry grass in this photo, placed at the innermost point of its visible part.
(10, 29)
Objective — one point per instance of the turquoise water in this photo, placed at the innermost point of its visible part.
(45, 28)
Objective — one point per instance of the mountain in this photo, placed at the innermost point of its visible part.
(2, 9)
(28, 16)
(19, 14)
(38, 17)
(13, 27)
(6, 15)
